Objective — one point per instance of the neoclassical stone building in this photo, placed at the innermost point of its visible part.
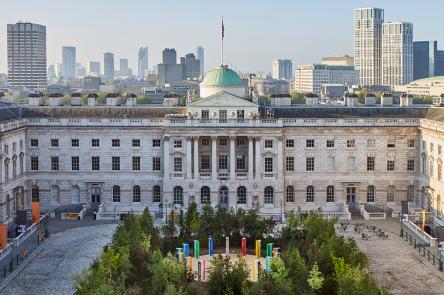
(222, 149)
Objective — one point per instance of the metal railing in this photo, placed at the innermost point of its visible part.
(434, 258)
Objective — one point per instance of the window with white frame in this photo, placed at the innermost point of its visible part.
(136, 163)
(330, 193)
(268, 143)
(350, 143)
(289, 143)
(330, 143)
(223, 162)
(136, 193)
(178, 164)
(331, 163)
(289, 194)
(391, 194)
(156, 163)
(289, 163)
(157, 195)
(310, 194)
(371, 142)
(241, 195)
(241, 163)
(268, 195)
(411, 193)
(116, 194)
(156, 142)
(205, 195)
(54, 163)
(177, 144)
(351, 163)
(391, 165)
(370, 163)
(205, 163)
(410, 164)
(309, 164)
(268, 164)
(115, 163)
(310, 143)
(178, 195)
(370, 194)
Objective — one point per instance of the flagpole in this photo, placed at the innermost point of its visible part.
(222, 45)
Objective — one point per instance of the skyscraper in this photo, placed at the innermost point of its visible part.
(424, 59)
(368, 44)
(124, 71)
(190, 66)
(169, 56)
(108, 67)
(200, 56)
(397, 53)
(68, 62)
(282, 69)
(93, 68)
(142, 63)
(27, 55)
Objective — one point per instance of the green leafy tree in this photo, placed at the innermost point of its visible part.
(227, 278)
(315, 278)
(297, 269)
(297, 98)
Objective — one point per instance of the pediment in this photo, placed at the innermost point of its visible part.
(223, 99)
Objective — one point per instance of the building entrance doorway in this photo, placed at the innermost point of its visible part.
(223, 197)
(95, 198)
(351, 195)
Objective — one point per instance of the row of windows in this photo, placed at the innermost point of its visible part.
(95, 142)
(14, 166)
(14, 147)
(95, 163)
(351, 143)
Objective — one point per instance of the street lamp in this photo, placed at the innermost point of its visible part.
(166, 211)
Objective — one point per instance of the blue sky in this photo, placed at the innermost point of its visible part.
(255, 31)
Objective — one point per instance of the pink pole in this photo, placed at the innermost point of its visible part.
(244, 247)
(203, 270)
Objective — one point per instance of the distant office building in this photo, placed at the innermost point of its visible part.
(368, 44)
(142, 63)
(52, 72)
(424, 59)
(266, 86)
(168, 73)
(27, 55)
(58, 70)
(124, 70)
(310, 78)
(439, 69)
(108, 67)
(200, 56)
(91, 83)
(190, 66)
(282, 69)
(169, 56)
(93, 68)
(397, 53)
(68, 62)
(342, 60)
(81, 70)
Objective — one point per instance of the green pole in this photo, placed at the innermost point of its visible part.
(196, 249)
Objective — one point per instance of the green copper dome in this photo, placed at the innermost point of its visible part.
(222, 76)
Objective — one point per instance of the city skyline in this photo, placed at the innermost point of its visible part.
(246, 50)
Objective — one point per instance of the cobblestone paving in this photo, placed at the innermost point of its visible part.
(394, 263)
(66, 254)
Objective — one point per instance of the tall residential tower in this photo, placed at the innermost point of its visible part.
(200, 56)
(282, 69)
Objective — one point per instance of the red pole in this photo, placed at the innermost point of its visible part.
(244, 247)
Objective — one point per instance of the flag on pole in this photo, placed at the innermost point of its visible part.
(223, 29)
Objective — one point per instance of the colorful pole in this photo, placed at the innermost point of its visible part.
(258, 248)
(267, 264)
(190, 263)
(256, 268)
(269, 249)
(186, 249)
(210, 246)
(227, 245)
(179, 254)
(244, 246)
(196, 249)
(199, 271)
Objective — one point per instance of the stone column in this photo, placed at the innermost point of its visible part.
(232, 158)
(250, 158)
(213, 158)
(258, 157)
(188, 158)
(196, 157)
(280, 163)
(166, 158)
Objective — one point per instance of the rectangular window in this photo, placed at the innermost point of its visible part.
(331, 163)
(439, 149)
(136, 163)
(156, 163)
(14, 147)
(21, 144)
(268, 165)
(310, 143)
(136, 194)
(240, 141)
(115, 142)
(95, 163)
(95, 142)
(6, 149)
(411, 143)
(431, 147)
(156, 142)
(34, 142)
(115, 165)
(177, 144)
(178, 164)
(370, 163)
(54, 163)
(289, 143)
(390, 165)
(289, 164)
(205, 142)
(350, 143)
(205, 115)
(351, 163)
(391, 144)
(34, 163)
(240, 114)
(240, 162)
(54, 142)
(136, 142)
(223, 142)
(75, 163)
(223, 116)
(371, 142)
(330, 143)
(424, 144)
(223, 162)
(309, 164)
(75, 142)
(411, 165)
(268, 144)
(205, 163)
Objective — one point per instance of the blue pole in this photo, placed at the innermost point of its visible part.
(267, 264)
(186, 249)
(210, 246)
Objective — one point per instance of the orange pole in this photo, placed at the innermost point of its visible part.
(35, 212)
(3, 236)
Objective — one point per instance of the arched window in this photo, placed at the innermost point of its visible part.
(75, 194)
(268, 195)
(410, 193)
(35, 193)
(370, 194)
(55, 194)
(241, 195)
(391, 194)
(7, 169)
(310, 194)
(136, 193)
(178, 195)
(330, 193)
(21, 159)
(290, 194)
(14, 166)
(205, 195)
(116, 193)
(431, 167)
(157, 196)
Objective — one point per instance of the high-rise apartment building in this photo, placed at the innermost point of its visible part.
(68, 62)
(368, 44)
(282, 69)
(169, 56)
(93, 68)
(108, 67)
(397, 53)
(124, 70)
(142, 63)
(27, 55)
(200, 56)
(190, 66)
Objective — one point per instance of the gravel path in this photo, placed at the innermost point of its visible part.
(63, 256)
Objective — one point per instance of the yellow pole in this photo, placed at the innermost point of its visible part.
(258, 248)
(191, 263)
(423, 219)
